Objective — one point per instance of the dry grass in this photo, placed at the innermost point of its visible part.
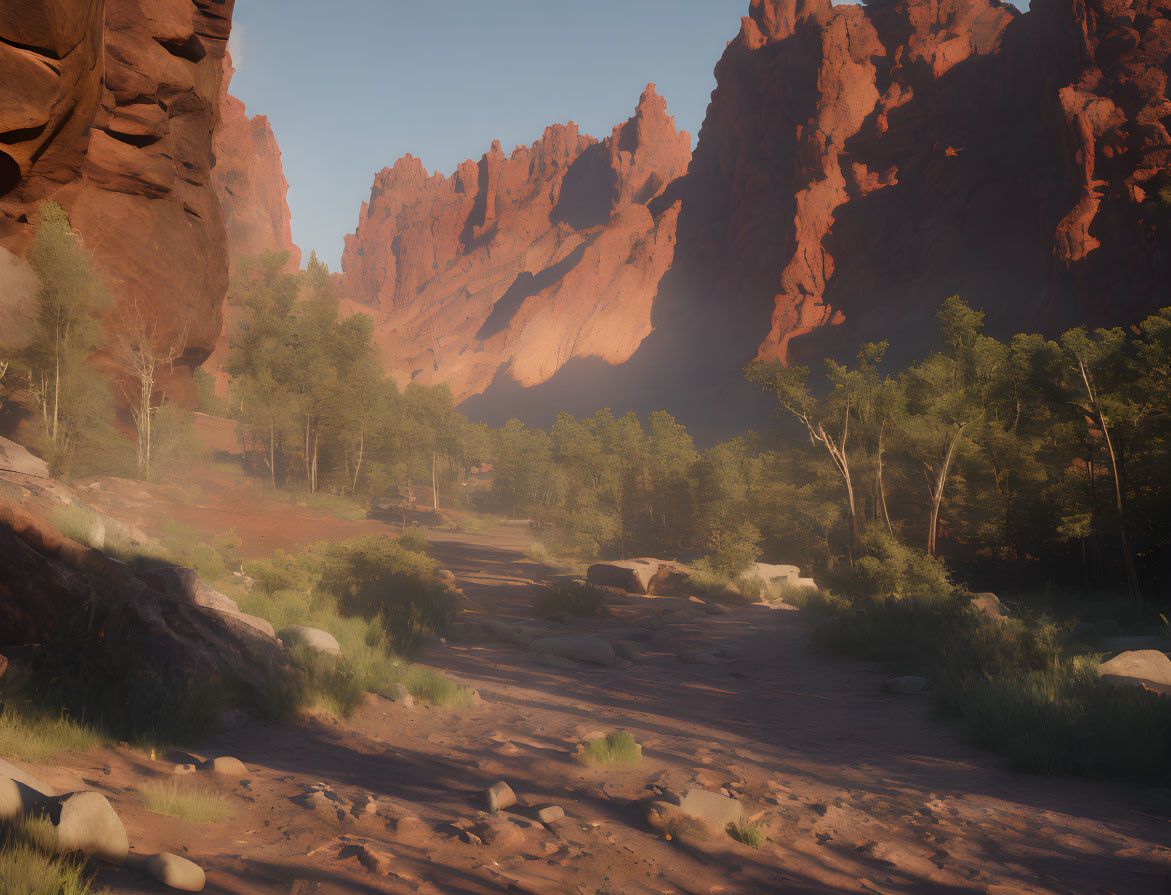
(615, 748)
(38, 738)
(29, 866)
(186, 801)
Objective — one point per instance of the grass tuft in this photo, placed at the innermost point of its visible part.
(615, 748)
(186, 801)
(37, 737)
(29, 866)
(752, 835)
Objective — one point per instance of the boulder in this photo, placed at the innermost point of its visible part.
(314, 638)
(1149, 669)
(225, 766)
(773, 576)
(631, 575)
(580, 649)
(654, 577)
(19, 790)
(499, 796)
(907, 685)
(988, 604)
(176, 872)
(86, 822)
(16, 457)
(465, 632)
(698, 812)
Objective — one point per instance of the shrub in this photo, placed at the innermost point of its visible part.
(208, 401)
(577, 598)
(752, 835)
(186, 801)
(29, 864)
(436, 688)
(616, 747)
(29, 734)
(891, 569)
(414, 539)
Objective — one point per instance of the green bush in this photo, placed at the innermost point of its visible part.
(577, 598)
(1017, 685)
(616, 747)
(888, 568)
(208, 401)
(751, 834)
(414, 539)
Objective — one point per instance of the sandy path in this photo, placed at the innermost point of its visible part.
(861, 792)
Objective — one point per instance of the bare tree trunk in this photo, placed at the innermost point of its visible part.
(434, 486)
(272, 449)
(358, 465)
(881, 484)
(940, 484)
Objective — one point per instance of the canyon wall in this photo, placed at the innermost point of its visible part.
(109, 108)
(520, 262)
(857, 165)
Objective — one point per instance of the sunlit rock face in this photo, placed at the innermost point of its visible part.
(857, 165)
(249, 180)
(520, 262)
(861, 163)
(110, 108)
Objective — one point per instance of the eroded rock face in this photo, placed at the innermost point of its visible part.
(109, 108)
(860, 164)
(520, 262)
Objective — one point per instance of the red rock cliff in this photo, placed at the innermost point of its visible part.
(109, 108)
(249, 180)
(520, 262)
(860, 164)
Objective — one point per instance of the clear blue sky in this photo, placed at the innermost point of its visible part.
(352, 85)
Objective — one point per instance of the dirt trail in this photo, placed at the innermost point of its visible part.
(860, 792)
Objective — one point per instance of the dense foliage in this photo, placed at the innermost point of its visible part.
(1028, 462)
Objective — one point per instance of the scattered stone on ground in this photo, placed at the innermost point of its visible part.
(1149, 669)
(225, 766)
(499, 796)
(176, 872)
(313, 638)
(906, 685)
(86, 822)
(550, 813)
(399, 693)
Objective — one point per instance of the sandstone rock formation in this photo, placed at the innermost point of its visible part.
(520, 262)
(109, 108)
(859, 164)
(863, 163)
(249, 180)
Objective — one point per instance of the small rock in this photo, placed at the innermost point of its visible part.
(650, 622)
(398, 693)
(907, 685)
(375, 860)
(314, 638)
(470, 838)
(176, 872)
(499, 796)
(225, 766)
(550, 813)
(677, 615)
(715, 609)
(183, 769)
(627, 652)
(87, 823)
(988, 604)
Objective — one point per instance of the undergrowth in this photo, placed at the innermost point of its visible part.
(615, 748)
(30, 865)
(186, 801)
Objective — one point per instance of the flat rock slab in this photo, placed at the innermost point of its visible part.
(714, 809)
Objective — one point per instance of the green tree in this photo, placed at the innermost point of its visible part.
(69, 329)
